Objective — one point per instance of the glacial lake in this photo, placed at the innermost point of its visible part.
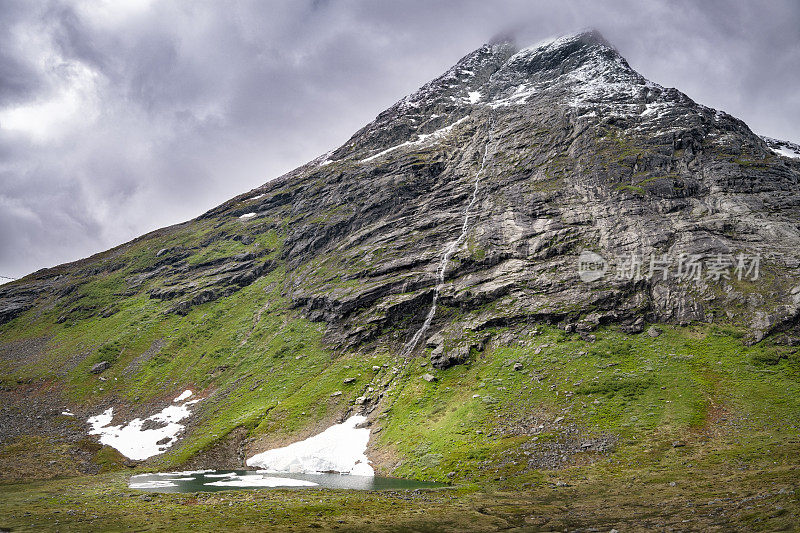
(217, 480)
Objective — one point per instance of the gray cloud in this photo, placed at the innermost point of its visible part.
(119, 117)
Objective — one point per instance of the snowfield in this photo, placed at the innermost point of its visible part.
(340, 448)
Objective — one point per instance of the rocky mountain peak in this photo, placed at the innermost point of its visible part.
(572, 70)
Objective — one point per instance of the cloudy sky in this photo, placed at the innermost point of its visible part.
(121, 116)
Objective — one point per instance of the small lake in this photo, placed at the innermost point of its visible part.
(217, 480)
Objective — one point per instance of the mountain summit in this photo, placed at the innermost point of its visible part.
(529, 213)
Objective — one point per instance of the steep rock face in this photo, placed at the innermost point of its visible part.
(581, 154)
(584, 154)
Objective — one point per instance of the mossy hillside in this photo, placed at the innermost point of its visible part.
(667, 388)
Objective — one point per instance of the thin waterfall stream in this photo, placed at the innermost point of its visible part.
(450, 249)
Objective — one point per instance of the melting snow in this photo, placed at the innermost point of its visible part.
(784, 148)
(154, 484)
(340, 448)
(421, 138)
(519, 96)
(229, 474)
(247, 215)
(67, 413)
(262, 481)
(179, 474)
(474, 96)
(256, 197)
(136, 443)
(788, 152)
(185, 395)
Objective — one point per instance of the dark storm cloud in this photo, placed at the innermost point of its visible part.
(122, 116)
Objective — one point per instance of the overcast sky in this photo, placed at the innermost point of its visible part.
(121, 116)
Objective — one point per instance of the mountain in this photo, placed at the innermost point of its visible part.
(532, 262)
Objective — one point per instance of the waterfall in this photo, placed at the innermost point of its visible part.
(449, 250)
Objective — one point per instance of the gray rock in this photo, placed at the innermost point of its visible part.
(518, 366)
(100, 367)
(429, 377)
(653, 331)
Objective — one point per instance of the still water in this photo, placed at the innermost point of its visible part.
(216, 480)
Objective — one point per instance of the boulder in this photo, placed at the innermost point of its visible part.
(100, 367)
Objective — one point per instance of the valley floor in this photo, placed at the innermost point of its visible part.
(749, 485)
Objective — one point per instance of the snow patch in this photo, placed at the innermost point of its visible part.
(185, 395)
(136, 443)
(247, 215)
(786, 151)
(340, 448)
(784, 148)
(262, 481)
(421, 138)
(474, 97)
(67, 413)
(519, 96)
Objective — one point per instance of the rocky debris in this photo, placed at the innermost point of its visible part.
(569, 445)
(442, 357)
(99, 368)
(634, 326)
